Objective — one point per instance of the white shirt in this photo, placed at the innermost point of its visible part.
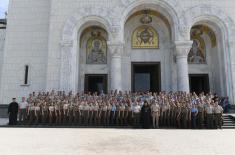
(155, 108)
(86, 107)
(66, 106)
(37, 108)
(136, 109)
(32, 108)
(23, 105)
(51, 108)
(96, 108)
(81, 107)
(209, 109)
(218, 109)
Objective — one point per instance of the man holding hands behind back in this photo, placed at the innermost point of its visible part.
(12, 112)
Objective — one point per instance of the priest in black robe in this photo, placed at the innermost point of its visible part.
(146, 115)
(13, 112)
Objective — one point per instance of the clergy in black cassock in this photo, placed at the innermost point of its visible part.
(12, 112)
(146, 115)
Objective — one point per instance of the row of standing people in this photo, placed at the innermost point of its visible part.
(172, 110)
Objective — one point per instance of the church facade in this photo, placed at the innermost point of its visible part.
(128, 45)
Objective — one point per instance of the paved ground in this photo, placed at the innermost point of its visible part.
(30, 141)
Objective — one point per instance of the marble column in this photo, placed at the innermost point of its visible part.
(182, 50)
(68, 67)
(116, 66)
(231, 82)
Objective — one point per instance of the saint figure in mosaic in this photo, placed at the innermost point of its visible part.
(96, 50)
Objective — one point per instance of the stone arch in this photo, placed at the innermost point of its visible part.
(206, 12)
(74, 26)
(169, 9)
(215, 19)
(84, 15)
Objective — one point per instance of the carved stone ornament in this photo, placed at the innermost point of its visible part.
(146, 18)
(115, 49)
(183, 48)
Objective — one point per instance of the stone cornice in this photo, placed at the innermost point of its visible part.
(184, 43)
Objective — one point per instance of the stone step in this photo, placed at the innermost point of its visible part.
(232, 127)
(227, 117)
(225, 125)
(227, 120)
(229, 125)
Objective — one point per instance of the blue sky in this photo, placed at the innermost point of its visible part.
(3, 7)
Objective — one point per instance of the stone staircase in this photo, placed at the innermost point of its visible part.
(229, 118)
(232, 109)
(229, 122)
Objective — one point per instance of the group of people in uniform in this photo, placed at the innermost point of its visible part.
(149, 109)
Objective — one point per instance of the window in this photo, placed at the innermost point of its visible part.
(26, 74)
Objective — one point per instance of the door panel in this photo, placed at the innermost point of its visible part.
(199, 83)
(96, 83)
(146, 77)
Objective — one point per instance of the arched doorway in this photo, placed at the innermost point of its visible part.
(93, 60)
(148, 53)
(206, 59)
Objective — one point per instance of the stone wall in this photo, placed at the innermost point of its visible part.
(43, 33)
(26, 44)
(2, 44)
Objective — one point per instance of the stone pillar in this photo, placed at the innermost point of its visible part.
(116, 66)
(182, 50)
(231, 81)
(68, 67)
